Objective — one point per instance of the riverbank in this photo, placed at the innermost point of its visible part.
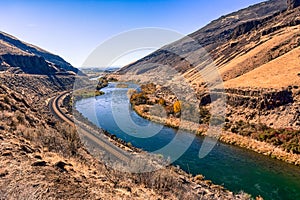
(198, 186)
(235, 168)
(226, 137)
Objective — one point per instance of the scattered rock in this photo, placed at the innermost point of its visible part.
(199, 178)
(259, 198)
(39, 163)
(184, 180)
(8, 153)
(27, 149)
(77, 180)
(124, 185)
(61, 165)
(3, 173)
(103, 178)
(293, 4)
(38, 157)
(208, 182)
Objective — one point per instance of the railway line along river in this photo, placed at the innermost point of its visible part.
(235, 168)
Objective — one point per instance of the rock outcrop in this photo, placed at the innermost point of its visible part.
(27, 64)
(20, 57)
(264, 105)
(293, 4)
(264, 99)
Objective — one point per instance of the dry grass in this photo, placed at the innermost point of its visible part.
(281, 72)
(241, 62)
(41, 158)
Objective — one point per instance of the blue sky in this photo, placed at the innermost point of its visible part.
(73, 29)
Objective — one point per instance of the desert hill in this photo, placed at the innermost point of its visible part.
(42, 157)
(20, 57)
(256, 52)
(216, 33)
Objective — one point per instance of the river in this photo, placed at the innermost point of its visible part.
(235, 168)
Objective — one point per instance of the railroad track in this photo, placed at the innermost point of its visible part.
(90, 135)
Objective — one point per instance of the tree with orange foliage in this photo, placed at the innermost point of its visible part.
(177, 107)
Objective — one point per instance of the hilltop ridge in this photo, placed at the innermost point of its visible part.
(211, 36)
(20, 57)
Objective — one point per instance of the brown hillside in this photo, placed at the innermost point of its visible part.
(257, 57)
(20, 57)
(280, 72)
(44, 158)
(215, 34)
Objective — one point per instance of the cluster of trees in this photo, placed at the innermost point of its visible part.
(143, 99)
(139, 98)
(102, 82)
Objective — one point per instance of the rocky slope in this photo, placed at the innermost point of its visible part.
(43, 158)
(19, 57)
(256, 52)
(213, 35)
(293, 4)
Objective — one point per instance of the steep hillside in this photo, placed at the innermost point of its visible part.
(19, 57)
(44, 158)
(213, 35)
(256, 51)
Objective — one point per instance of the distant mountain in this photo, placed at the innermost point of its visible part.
(19, 57)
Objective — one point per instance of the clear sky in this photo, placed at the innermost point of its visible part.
(73, 29)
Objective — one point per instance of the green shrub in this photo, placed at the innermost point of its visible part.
(285, 138)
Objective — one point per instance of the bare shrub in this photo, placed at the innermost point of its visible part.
(20, 117)
(71, 136)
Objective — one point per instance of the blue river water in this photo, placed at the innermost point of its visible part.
(235, 168)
